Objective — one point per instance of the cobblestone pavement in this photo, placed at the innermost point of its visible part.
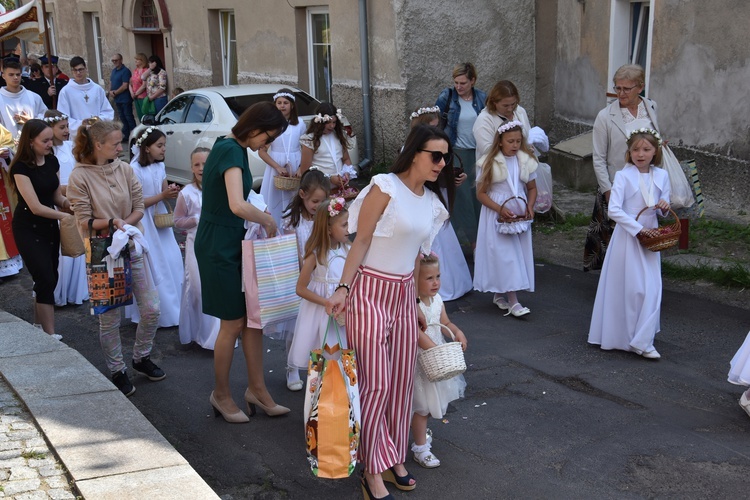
(28, 470)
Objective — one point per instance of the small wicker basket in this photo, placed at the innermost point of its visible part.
(164, 220)
(286, 183)
(517, 225)
(443, 361)
(669, 235)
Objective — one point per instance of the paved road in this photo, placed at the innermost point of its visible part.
(545, 415)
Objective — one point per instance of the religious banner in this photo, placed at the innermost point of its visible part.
(24, 23)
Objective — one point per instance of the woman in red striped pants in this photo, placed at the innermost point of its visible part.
(396, 217)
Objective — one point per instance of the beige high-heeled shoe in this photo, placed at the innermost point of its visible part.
(253, 401)
(233, 418)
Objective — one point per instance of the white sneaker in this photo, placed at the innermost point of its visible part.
(745, 403)
(56, 336)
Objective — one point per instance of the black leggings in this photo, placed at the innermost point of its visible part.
(38, 242)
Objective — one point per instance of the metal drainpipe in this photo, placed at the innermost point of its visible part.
(364, 55)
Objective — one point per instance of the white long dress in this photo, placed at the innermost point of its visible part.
(285, 150)
(627, 308)
(432, 398)
(72, 286)
(504, 262)
(312, 320)
(194, 325)
(455, 277)
(163, 249)
(739, 367)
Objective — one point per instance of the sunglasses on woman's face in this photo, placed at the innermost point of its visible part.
(438, 155)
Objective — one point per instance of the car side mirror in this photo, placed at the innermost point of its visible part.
(148, 120)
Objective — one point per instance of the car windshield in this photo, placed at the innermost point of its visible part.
(306, 104)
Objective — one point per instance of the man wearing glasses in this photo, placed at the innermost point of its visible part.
(120, 93)
(83, 100)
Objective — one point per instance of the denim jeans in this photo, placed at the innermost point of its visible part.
(147, 298)
(160, 102)
(125, 113)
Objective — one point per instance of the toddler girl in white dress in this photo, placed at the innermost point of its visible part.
(432, 398)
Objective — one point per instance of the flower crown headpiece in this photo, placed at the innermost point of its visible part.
(55, 119)
(647, 131)
(508, 126)
(335, 206)
(424, 111)
(283, 94)
(145, 134)
(327, 118)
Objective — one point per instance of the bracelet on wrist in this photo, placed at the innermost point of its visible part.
(343, 285)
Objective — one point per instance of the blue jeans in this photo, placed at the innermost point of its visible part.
(125, 112)
(160, 102)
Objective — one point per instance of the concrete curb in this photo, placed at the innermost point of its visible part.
(109, 448)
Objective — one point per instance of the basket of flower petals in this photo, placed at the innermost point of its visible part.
(286, 182)
(663, 237)
(347, 192)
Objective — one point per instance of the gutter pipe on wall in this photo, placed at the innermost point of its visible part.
(364, 55)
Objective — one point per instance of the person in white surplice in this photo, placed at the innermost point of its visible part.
(82, 99)
(627, 308)
(17, 105)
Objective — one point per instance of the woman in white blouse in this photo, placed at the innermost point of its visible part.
(396, 218)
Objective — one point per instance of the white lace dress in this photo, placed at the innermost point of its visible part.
(432, 398)
(329, 156)
(285, 150)
(72, 286)
(312, 320)
(162, 249)
(194, 325)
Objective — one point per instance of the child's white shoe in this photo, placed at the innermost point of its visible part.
(424, 457)
(293, 382)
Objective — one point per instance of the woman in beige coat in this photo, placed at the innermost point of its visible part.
(611, 128)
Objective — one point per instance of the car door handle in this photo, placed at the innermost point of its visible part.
(196, 132)
(169, 132)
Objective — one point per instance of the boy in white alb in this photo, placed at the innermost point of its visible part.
(17, 105)
(82, 99)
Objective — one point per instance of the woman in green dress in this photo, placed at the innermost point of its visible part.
(226, 184)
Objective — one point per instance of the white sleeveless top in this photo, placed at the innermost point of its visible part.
(408, 223)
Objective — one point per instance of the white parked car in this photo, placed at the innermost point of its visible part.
(197, 117)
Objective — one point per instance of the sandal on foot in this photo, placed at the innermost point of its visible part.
(518, 310)
(501, 303)
(401, 482)
(368, 494)
(426, 459)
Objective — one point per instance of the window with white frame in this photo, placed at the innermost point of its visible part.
(97, 31)
(631, 28)
(228, 47)
(319, 52)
